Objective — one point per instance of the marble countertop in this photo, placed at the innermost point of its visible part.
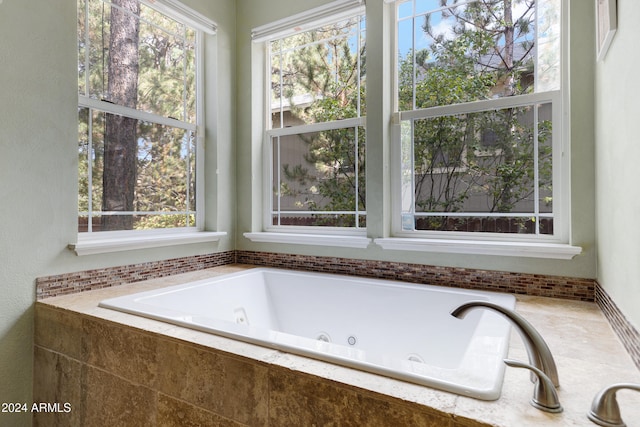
(587, 352)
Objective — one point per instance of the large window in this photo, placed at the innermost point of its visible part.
(139, 118)
(479, 102)
(315, 139)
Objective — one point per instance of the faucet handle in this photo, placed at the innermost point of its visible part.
(604, 408)
(537, 349)
(544, 397)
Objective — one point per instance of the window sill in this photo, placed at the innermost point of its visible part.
(310, 239)
(470, 247)
(117, 241)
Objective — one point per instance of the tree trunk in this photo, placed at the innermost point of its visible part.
(508, 47)
(506, 201)
(120, 146)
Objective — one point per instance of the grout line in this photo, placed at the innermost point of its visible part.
(626, 332)
(571, 288)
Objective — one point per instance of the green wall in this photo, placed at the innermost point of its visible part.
(38, 166)
(38, 179)
(253, 13)
(617, 155)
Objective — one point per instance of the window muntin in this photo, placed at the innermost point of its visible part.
(137, 75)
(477, 100)
(161, 200)
(316, 179)
(316, 139)
(462, 184)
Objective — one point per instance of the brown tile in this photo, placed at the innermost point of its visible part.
(231, 387)
(177, 413)
(109, 400)
(68, 283)
(58, 330)
(626, 332)
(297, 399)
(120, 350)
(381, 413)
(56, 380)
(533, 284)
(519, 283)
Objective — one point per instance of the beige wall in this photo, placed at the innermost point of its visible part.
(617, 171)
(38, 166)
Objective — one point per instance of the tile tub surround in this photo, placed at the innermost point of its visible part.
(518, 283)
(629, 335)
(69, 283)
(116, 368)
(489, 280)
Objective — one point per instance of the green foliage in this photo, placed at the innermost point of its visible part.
(485, 55)
(165, 156)
(165, 221)
(332, 175)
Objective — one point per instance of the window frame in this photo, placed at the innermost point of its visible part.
(91, 242)
(320, 235)
(485, 242)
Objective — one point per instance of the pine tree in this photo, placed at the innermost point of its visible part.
(120, 145)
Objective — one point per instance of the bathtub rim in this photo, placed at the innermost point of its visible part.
(302, 346)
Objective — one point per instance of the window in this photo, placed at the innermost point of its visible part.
(315, 139)
(479, 101)
(140, 118)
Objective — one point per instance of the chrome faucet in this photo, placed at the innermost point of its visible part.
(539, 354)
(604, 408)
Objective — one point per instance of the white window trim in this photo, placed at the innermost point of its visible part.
(560, 161)
(345, 241)
(268, 179)
(320, 236)
(89, 243)
(476, 247)
(317, 127)
(539, 246)
(116, 241)
(481, 106)
(307, 20)
(96, 104)
(181, 12)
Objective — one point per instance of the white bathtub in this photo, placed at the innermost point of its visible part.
(390, 328)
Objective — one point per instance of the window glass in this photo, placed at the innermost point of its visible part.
(480, 82)
(317, 138)
(318, 76)
(137, 118)
(317, 181)
(138, 57)
(462, 169)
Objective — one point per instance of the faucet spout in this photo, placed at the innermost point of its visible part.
(539, 354)
(604, 408)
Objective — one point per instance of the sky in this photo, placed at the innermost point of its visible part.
(439, 25)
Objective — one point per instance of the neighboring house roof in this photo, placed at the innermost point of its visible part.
(303, 100)
(495, 60)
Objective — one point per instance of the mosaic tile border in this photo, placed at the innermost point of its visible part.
(80, 281)
(627, 333)
(518, 283)
(501, 281)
